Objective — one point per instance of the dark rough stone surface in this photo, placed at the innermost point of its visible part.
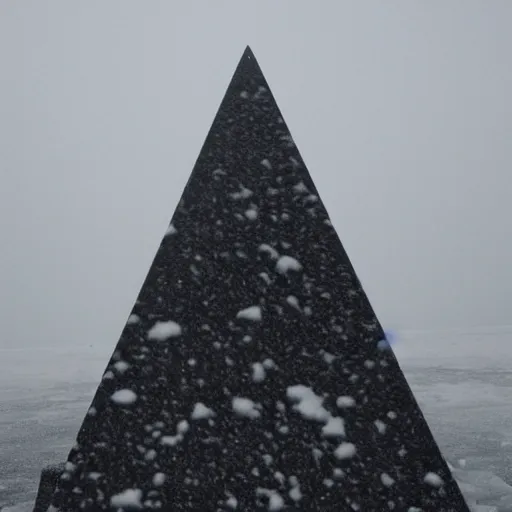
(49, 477)
(269, 384)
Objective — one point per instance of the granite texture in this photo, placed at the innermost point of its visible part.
(49, 478)
(252, 372)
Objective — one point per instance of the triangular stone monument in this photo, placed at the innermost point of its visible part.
(252, 373)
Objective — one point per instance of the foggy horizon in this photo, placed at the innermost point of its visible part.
(402, 116)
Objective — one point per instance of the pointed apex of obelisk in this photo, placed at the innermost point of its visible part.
(248, 53)
(248, 62)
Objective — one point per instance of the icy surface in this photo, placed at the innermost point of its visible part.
(27, 506)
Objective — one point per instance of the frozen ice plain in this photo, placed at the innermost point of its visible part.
(462, 380)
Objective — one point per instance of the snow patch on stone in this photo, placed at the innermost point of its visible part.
(159, 479)
(433, 479)
(245, 408)
(335, 427)
(307, 403)
(252, 313)
(269, 250)
(295, 492)
(345, 451)
(133, 319)
(286, 264)
(171, 230)
(182, 428)
(293, 301)
(251, 214)
(121, 366)
(266, 163)
(387, 480)
(232, 503)
(258, 372)
(244, 193)
(344, 402)
(300, 188)
(162, 331)
(380, 426)
(201, 412)
(124, 397)
(129, 498)
(275, 500)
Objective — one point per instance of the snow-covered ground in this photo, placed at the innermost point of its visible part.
(462, 380)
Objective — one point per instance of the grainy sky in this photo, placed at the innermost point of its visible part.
(401, 111)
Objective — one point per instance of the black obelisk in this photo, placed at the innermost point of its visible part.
(252, 372)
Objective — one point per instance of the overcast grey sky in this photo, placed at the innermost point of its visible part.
(401, 111)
